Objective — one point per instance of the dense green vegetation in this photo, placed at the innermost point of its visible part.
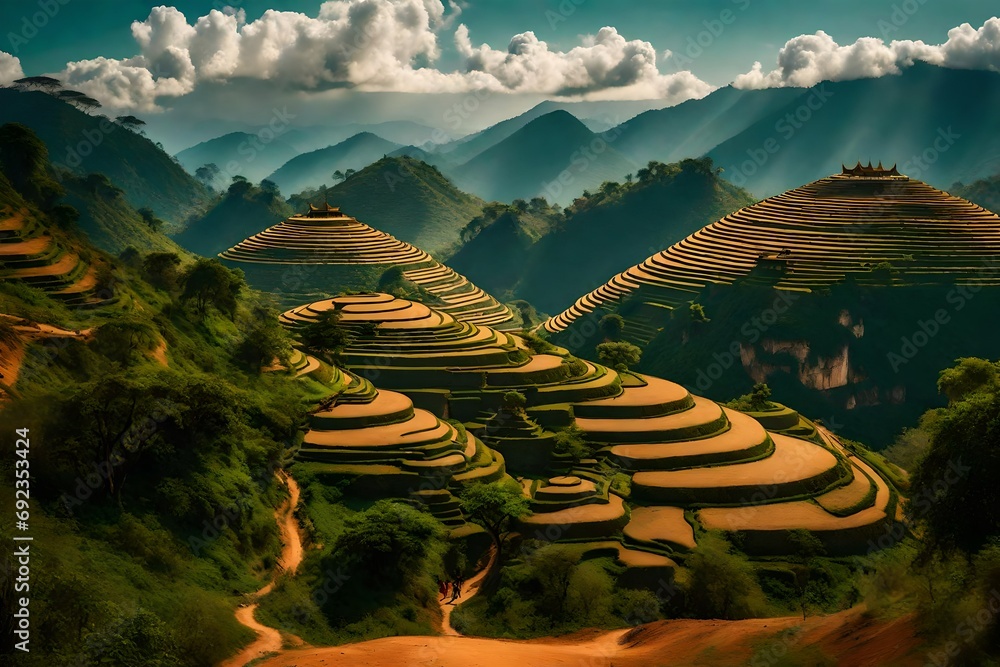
(241, 211)
(560, 254)
(154, 446)
(404, 197)
(87, 143)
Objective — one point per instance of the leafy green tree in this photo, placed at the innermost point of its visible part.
(269, 187)
(160, 270)
(324, 335)
(570, 442)
(125, 338)
(722, 583)
(338, 176)
(953, 491)
(697, 312)
(389, 539)
(208, 282)
(612, 325)
(208, 174)
(553, 566)
(263, 339)
(131, 123)
(495, 506)
(760, 397)
(513, 401)
(619, 355)
(149, 217)
(24, 160)
(64, 215)
(969, 375)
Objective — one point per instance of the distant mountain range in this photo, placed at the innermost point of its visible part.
(84, 143)
(554, 156)
(240, 153)
(315, 168)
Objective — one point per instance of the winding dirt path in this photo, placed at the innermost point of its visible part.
(469, 589)
(268, 639)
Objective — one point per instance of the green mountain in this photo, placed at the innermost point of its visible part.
(554, 155)
(87, 144)
(110, 222)
(315, 168)
(695, 127)
(409, 199)
(600, 236)
(496, 241)
(242, 211)
(985, 192)
(242, 153)
(935, 124)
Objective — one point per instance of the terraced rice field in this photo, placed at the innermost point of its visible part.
(814, 236)
(325, 250)
(32, 256)
(688, 458)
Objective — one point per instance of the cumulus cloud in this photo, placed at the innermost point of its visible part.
(10, 68)
(371, 45)
(604, 62)
(808, 59)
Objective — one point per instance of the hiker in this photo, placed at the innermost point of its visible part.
(443, 588)
(456, 589)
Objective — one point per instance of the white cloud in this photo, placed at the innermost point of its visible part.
(371, 45)
(10, 68)
(604, 64)
(808, 59)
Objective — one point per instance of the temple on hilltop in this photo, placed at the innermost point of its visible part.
(323, 252)
(868, 171)
(811, 237)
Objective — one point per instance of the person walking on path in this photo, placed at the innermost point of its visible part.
(443, 588)
(456, 590)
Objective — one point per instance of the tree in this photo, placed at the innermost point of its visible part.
(263, 340)
(495, 506)
(45, 83)
(24, 159)
(619, 355)
(955, 497)
(553, 566)
(160, 270)
(324, 335)
(208, 282)
(519, 205)
(208, 174)
(612, 325)
(389, 539)
(760, 397)
(569, 442)
(269, 187)
(697, 312)
(514, 401)
(338, 176)
(131, 123)
(349, 172)
(629, 177)
(64, 215)
(722, 584)
(101, 186)
(149, 217)
(124, 338)
(968, 376)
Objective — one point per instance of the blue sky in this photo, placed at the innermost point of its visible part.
(194, 73)
(90, 28)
